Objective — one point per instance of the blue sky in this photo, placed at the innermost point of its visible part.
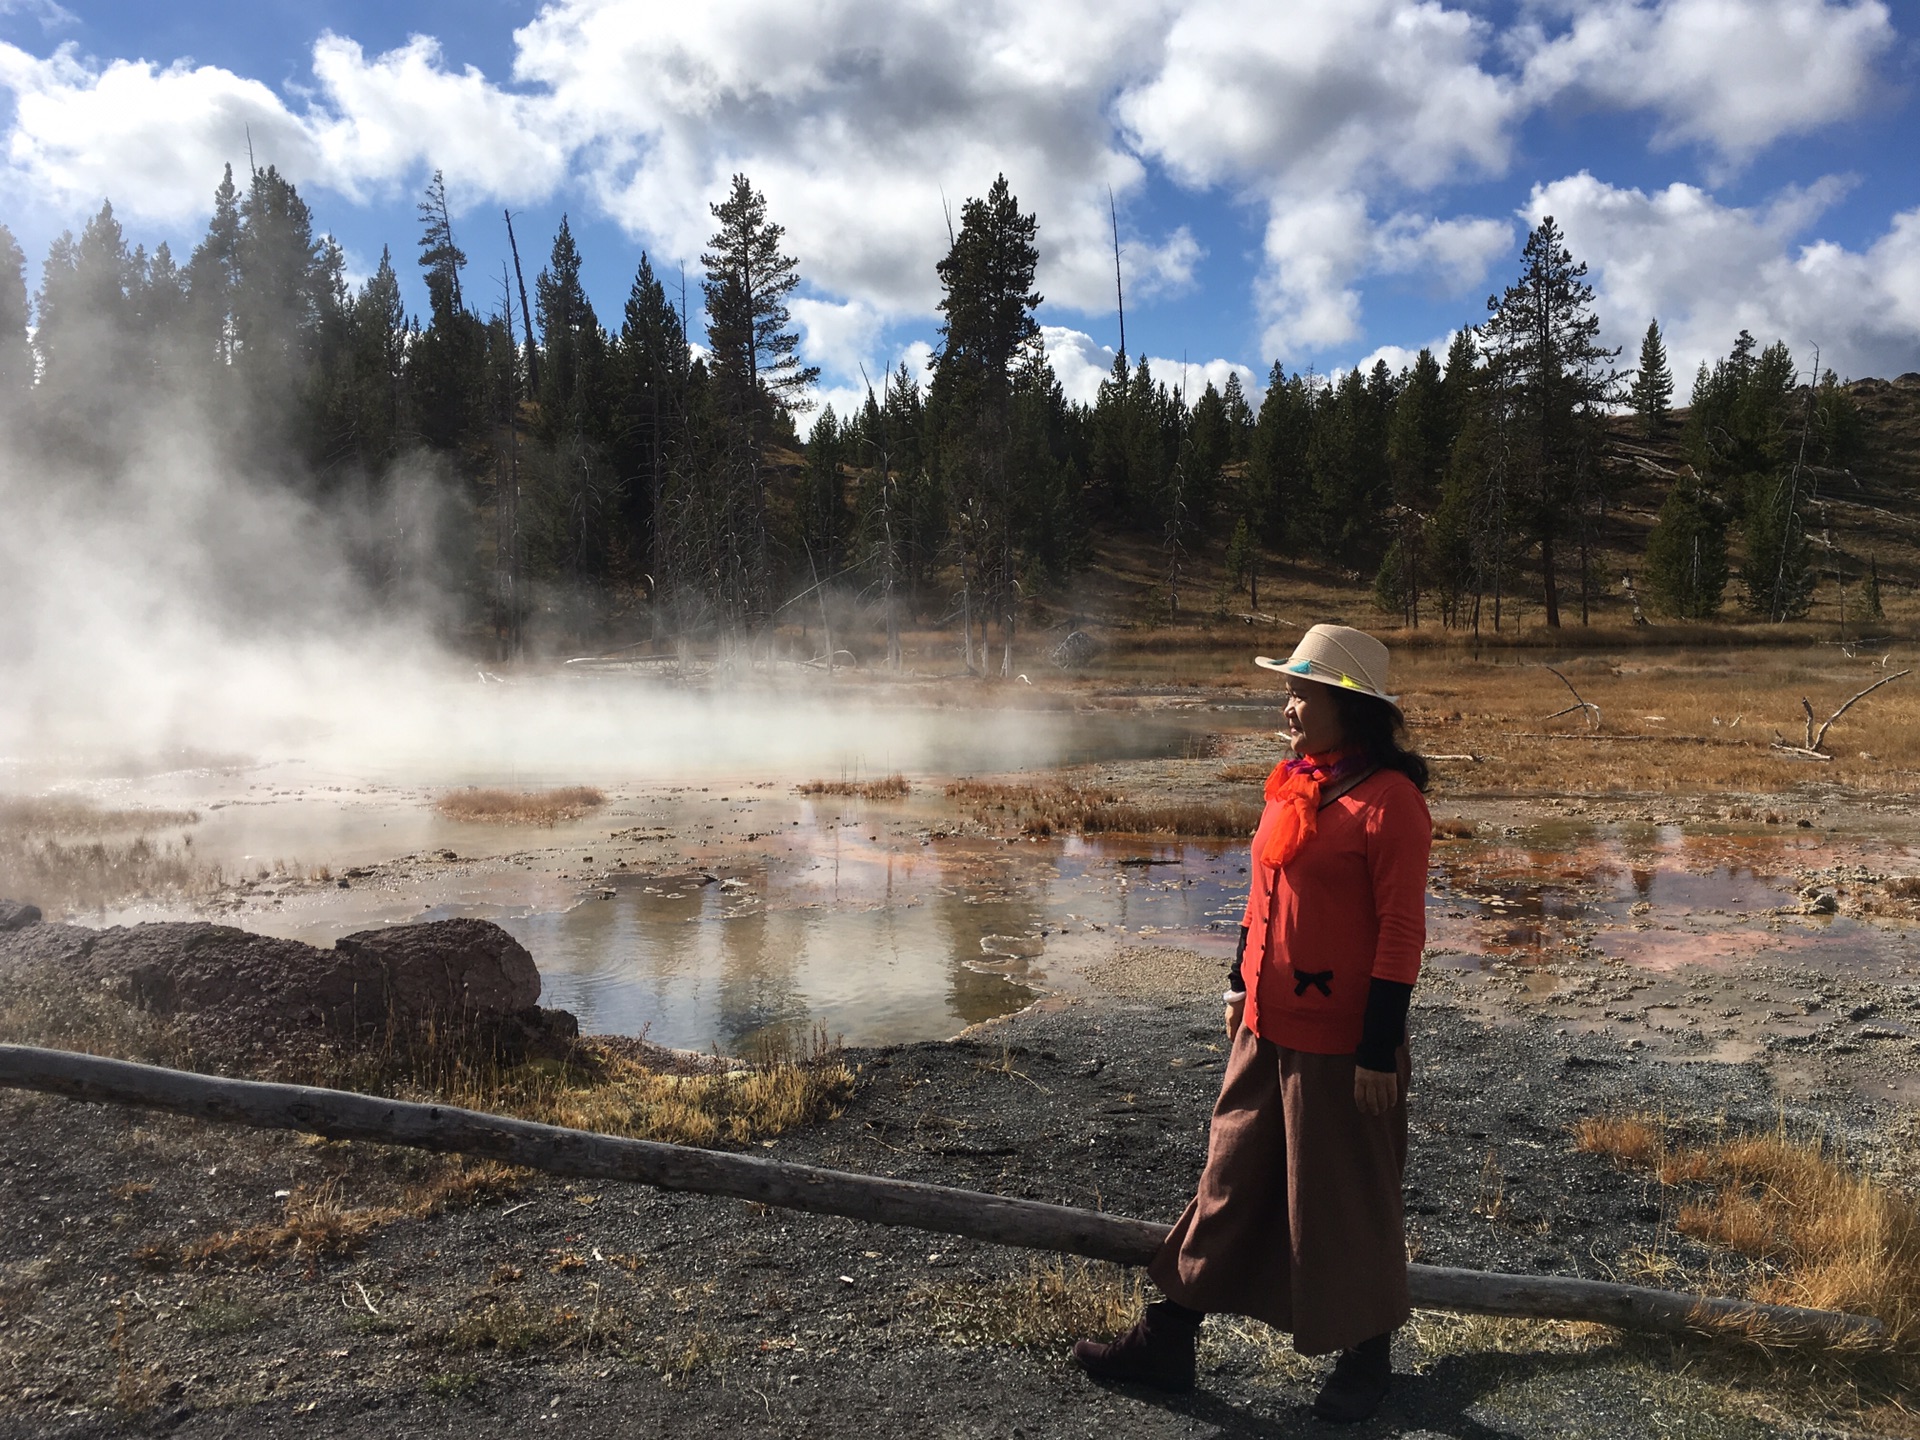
(1318, 183)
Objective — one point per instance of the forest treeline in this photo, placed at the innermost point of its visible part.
(620, 475)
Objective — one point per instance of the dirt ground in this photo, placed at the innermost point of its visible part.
(1667, 919)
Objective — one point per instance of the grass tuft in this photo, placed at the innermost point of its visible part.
(892, 787)
(477, 806)
(1820, 1232)
(1051, 1304)
(1064, 808)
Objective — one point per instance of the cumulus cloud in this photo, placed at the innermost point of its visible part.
(1732, 74)
(1081, 364)
(154, 138)
(1318, 248)
(867, 123)
(1707, 271)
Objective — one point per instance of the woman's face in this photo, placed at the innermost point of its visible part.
(1313, 718)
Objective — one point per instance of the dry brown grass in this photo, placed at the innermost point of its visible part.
(1687, 721)
(476, 806)
(68, 816)
(62, 853)
(1063, 808)
(318, 1222)
(1053, 1303)
(1243, 774)
(892, 787)
(1824, 1234)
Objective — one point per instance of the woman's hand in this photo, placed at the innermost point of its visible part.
(1236, 1009)
(1374, 1091)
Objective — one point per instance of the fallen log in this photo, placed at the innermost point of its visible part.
(1028, 1224)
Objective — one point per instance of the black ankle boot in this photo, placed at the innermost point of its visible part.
(1158, 1351)
(1358, 1383)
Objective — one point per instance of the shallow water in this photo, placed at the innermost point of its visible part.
(766, 914)
(867, 941)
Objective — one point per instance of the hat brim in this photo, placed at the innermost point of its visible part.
(1324, 675)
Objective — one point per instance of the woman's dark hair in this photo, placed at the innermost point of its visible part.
(1377, 729)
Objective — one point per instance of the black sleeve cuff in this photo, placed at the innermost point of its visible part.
(1235, 980)
(1385, 1026)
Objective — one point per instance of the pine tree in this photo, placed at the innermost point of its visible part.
(1778, 574)
(1651, 394)
(447, 377)
(987, 305)
(213, 272)
(824, 515)
(755, 360)
(1552, 381)
(1210, 434)
(651, 410)
(380, 337)
(1275, 500)
(439, 256)
(16, 352)
(1233, 399)
(572, 345)
(1420, 435)
(1870, 608)
(758, 380)
(1687, 553)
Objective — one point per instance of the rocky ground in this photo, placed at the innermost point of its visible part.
(613, 1310)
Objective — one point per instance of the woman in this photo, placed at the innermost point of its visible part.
(1298, 1217)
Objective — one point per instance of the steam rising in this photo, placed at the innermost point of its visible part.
(174, 607)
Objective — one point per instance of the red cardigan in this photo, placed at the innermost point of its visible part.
(1351, 905)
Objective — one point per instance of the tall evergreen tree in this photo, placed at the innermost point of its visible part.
(16, 352)
(1687, 553)
(987, 305)
(1420, 436)
(755, 360)
(1651, 394)
(572, 345)
(1553, 380)
(1277, 503)
(757, 377)
(651, 411)
(446, 369)
(213, 273)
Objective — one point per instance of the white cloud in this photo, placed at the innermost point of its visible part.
(154, 138)
(1081, 364)
(1732, 74)
(1459, 252)
(51, 15)
(866, 122)
(856, 118)
(1706, 271)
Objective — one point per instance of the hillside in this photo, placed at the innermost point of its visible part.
(1868, 512)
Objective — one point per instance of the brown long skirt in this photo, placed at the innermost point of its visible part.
(1298, 1218)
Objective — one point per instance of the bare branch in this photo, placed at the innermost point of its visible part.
(1580, 702)
(1818, 740)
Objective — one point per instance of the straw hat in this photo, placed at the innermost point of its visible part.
(1340, 656)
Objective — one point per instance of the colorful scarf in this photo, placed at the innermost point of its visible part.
(1296, 784)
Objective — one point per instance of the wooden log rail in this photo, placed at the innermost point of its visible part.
(1030, 1224)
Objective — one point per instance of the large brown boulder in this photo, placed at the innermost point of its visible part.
(238, 992)
(446, 967)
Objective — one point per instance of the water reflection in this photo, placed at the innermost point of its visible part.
(870, 942)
